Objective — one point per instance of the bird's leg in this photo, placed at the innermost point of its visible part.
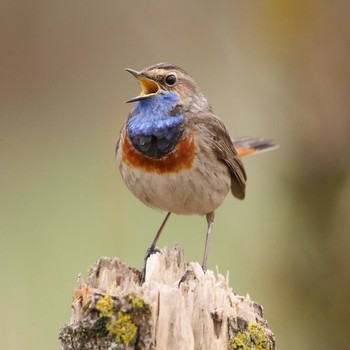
(210, 220)
(152, 248)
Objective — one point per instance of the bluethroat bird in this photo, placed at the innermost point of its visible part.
(175, 154)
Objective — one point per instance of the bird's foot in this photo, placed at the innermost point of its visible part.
(151, 250)
(184, 277)
(189, 273)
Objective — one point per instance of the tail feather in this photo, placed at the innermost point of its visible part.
(252, 145)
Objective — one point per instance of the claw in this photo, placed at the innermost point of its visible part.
(184, 277)
(151, 250)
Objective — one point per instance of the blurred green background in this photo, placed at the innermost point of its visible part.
(278, 69)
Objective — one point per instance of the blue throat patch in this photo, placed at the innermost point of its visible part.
(151, 128)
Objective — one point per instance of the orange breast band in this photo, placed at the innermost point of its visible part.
(181, 158)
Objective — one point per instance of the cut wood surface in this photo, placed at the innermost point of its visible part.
(112, 310)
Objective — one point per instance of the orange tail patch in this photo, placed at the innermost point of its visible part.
(246, 146)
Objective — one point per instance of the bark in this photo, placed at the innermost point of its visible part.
(112, 310)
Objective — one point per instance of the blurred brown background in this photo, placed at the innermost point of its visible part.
(278, 69)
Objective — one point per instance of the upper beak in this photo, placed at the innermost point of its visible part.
(149, 87)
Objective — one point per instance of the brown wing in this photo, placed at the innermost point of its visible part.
(221, 144)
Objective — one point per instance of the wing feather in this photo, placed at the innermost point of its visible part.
(221, 145)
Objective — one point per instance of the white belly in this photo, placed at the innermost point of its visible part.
(199, 190)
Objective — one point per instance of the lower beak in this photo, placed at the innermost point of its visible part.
(149, 87)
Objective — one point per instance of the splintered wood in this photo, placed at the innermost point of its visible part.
(111, 310)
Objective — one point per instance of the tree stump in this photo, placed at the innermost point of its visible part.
(112, 310)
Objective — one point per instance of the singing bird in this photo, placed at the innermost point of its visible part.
(175, 154)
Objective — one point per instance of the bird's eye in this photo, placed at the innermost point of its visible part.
(170, 80)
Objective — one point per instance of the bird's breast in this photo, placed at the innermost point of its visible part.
(181, 157)
(187, 180)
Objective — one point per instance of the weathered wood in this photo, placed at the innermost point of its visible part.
(111, 310)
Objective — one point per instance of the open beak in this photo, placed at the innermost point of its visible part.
(149, 87)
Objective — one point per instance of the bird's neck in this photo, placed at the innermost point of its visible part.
(152, 128)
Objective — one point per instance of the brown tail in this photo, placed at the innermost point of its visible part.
(246, 146)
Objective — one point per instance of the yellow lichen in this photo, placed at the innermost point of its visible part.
(240, 341)
(120, 323)
(105, 306)
(123, 328)
(258, 336)
(136, 301)
(252, 338)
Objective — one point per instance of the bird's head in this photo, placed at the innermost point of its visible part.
(165, 78)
